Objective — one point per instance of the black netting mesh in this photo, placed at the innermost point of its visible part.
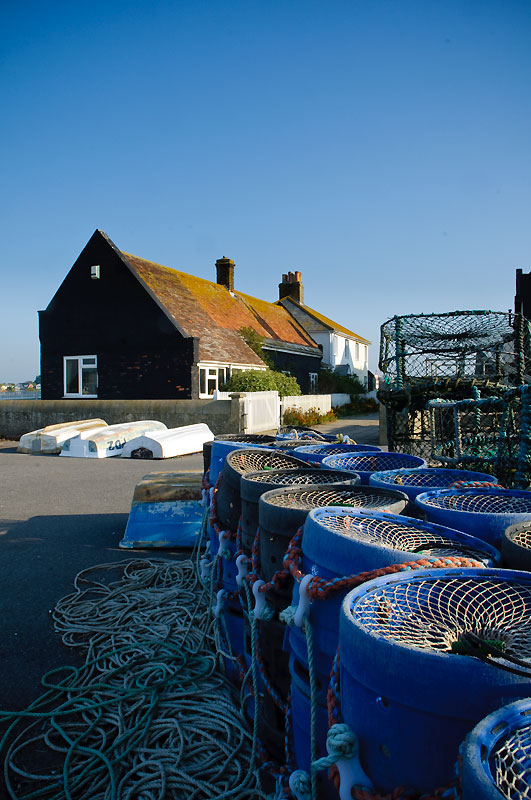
(455, 390)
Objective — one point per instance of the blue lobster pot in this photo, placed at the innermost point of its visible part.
(516, 546)
(220, 451)
(340, 541)
(314, 453)
(416, 481)
(411, 688)
(496, 756)
(300, 709)
(366, 463)
(484, 513)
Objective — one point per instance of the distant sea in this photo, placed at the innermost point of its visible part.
(28, 395)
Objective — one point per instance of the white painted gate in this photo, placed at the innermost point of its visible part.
(261, 412)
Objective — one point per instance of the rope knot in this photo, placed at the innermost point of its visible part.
(300, 784)
(342, 742)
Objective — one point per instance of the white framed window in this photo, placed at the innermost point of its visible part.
(211, 378)
(357, 351)
(313, 381)
(80, 376)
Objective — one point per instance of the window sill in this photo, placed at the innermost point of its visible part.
(80, 397)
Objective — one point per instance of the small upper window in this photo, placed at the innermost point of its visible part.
(80, 376)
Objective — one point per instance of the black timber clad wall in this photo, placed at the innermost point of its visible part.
(140, 352)
(298, 365)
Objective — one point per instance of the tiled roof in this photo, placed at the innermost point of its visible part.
(329, 322)
(206, 310)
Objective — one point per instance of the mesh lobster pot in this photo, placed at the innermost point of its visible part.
(254, 484)
(496, 755)
(336, 543)
(422, 479)
(516, 547)
(314, 453)
(282, 512)
(406, 692)
(219, 452)
(484, 513)
(366, 463)
(250, 439)
(237, 463)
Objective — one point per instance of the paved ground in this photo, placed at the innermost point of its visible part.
(59, 516)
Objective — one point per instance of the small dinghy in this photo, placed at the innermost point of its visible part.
(51, 438)
(166, 511)
(169, 443)
(108, 441)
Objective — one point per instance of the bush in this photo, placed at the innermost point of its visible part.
(296, 416)
(330, 383)
(253, 380)
(358, 405)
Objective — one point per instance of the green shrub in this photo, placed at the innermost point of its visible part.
(296, 416)
(253, 380)
(358, 405)
(331, 383)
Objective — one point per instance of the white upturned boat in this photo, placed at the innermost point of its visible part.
(109, 441)
(169, 443)
(51, 438)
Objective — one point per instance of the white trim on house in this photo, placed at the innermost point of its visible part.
(84, 364)
(213, 378)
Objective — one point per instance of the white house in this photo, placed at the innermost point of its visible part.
(343, 350)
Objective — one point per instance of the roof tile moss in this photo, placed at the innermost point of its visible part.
(207, 310)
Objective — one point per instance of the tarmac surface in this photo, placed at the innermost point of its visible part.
(59, 516)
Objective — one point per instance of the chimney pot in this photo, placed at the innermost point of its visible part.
(225, 273)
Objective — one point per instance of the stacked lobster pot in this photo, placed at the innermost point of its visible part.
(425, 656)
(315, 453)
(342, 548)
(516, 546)
(281, 513)
(482, 512)
(367, 463)
(495, 758)
(223, 531)
(423, 479)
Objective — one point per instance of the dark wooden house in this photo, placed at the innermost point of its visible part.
(123, 327)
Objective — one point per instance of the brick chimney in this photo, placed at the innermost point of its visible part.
(291, 286)
(225, 273)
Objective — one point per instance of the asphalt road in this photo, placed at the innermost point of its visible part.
(59, 516)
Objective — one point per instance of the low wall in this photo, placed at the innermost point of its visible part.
(21, 416)
(322, 402)
(340, 399)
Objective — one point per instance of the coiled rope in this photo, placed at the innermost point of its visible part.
(149, 715)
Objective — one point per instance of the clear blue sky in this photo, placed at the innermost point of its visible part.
(382, 147)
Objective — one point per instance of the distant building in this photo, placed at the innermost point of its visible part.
(123, 327)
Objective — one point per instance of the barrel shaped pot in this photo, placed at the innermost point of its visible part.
(254, 484)
(250, 439)
(219, 452)
(484, 513)
(406, 692)
(516, 546)
(237, 463)
(338, 542)
(422, 479)
(283, 511)
(495, 758)
(366, 463)
(314, 453)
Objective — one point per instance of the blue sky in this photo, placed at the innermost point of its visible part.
(382, 147)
